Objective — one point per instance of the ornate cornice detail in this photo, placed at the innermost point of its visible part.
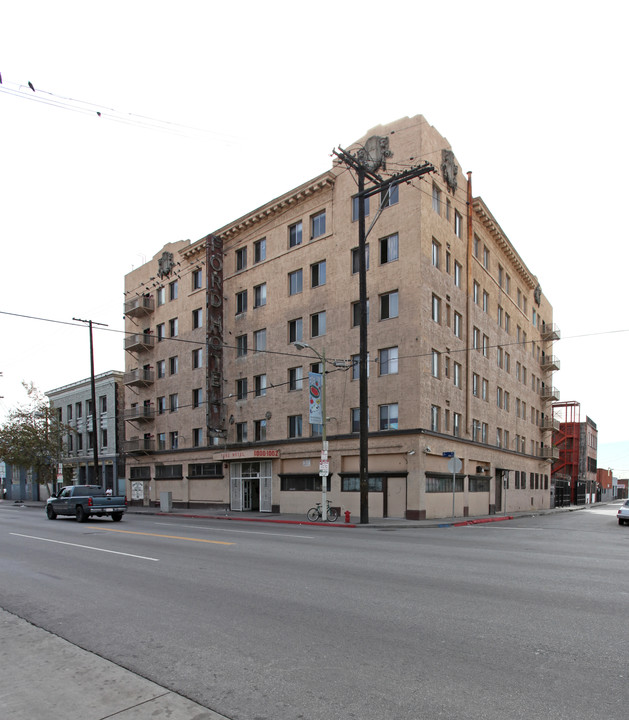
(487, 220)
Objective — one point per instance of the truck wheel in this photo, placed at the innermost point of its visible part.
(52, 515)
(116, 517)
(81, 515)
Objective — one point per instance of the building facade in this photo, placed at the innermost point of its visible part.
(73, 403)
(460, 358)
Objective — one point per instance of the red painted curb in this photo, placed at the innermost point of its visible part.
(260, 520)
(483, 520)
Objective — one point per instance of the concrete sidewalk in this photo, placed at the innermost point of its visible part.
(44, 676)
(294, 519)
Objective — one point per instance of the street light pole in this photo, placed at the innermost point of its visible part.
(324, 420)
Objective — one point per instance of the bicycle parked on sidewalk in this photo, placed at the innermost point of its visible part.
(315, 513)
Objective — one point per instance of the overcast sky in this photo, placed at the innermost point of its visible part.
(251, 98)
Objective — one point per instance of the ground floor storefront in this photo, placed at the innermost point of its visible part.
(410, 476)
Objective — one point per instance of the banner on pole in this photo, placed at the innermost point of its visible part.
(315, 392)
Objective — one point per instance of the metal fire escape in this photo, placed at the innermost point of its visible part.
(565, 470)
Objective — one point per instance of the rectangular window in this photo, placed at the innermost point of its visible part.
(259, 427)
(484, 432)
(241, 259)
(475, 430)
(458, 223)
(476, 292)
(259, 295)
(259, 384)
(356, 366)
(173, 402)
(389, 417)
(161, 441)
(174, 439)
(476, 247)
(436, 309)
(356, 208)
(294, 426)
(388, 361)
(317, 274)
(259, 250)
(197, 318)
(475, 383)
(356, 313)
(259, 340)
(354, 420)
(174, 327)
(389, 305)
(197, 358)
(241, 346)
(197, 397)
(476, 339)
(173, 290)
(197, 279)
(102, 401)
(174, 365)
(457, 375)
(161, 368)
(317, 324)
(241, 302)
(485, 301)
(436, 199)
(435, 363)
(317, 225)
(197, 437)
(161, 296)
(295, 282)
(436, 253)
(389, 249)
(485, 389)
(160, 332)
(390, 196)
(295, 378)
(241, 432)
(456, 424)
(458, 325)
(241, 389)
(356, 259)
(295, 234)
(486, 257)
(458, 272)
(295, 330)
(485, 346)
(434, 418)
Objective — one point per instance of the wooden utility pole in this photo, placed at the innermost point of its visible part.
(382, 186)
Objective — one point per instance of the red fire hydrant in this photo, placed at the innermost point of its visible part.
(347, 516)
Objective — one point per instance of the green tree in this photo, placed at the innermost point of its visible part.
(31, 437)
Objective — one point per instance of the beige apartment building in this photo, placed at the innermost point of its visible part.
(460, 340)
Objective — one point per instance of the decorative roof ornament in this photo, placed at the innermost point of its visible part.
(166, 264)
(537, 294)
(449, 169)
(374, 153)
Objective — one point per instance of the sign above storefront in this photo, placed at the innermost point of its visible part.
(247, 454)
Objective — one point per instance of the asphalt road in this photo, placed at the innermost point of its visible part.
(518, 619)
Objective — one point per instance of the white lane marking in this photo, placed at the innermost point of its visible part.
(245, 532)
(85, 547)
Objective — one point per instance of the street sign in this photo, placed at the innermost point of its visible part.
(324, 455)
(454, 464)
(447, 454)
(324, 468)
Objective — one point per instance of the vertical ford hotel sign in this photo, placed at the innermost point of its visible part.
(214, 339)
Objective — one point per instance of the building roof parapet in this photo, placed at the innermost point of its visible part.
(248, 221)
(493, 228)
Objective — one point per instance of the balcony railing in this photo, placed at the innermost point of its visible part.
(549, 393)
(139, 341)
(140, 413)
(138, 445)
(550, 332)
(550, 423)
(549, 452)
(550, 362)
(140, 377)
(139, 305)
